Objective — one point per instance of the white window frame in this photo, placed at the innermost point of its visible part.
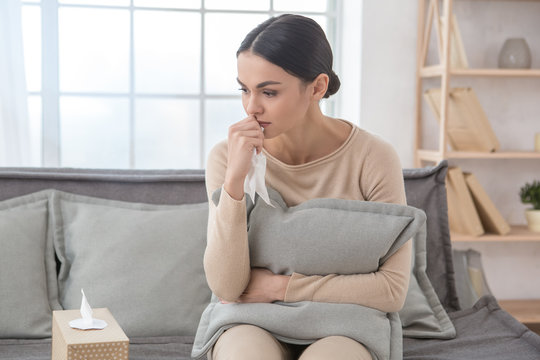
(50, 88)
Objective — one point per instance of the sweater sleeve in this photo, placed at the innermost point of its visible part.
(226, 257)
(385, 289)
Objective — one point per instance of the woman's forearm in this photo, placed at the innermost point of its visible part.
(385, 289)
(226, 258)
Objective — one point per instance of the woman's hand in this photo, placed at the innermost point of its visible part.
(244, 136)
(264, 287)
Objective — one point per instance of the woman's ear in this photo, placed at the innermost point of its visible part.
(320, 86)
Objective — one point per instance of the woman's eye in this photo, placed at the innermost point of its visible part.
(269, 93)
(244, 90)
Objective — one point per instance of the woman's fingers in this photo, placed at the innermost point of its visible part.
(244, 136)
(249, 123)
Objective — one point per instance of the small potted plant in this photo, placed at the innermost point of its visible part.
(530, 194)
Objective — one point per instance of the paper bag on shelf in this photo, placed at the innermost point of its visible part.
(462, 215)
(468, 128)
(458, 57)
(491, 218)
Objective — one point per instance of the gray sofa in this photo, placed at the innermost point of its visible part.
(121, 235)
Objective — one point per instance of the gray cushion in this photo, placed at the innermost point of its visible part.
(27, 268)
(319, 237)
(142, 261)
(327, 236)
(310, 253)
(423, 315)
(300, 239)
(425, 189)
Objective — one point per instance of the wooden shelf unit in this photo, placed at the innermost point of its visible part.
(526, 311)
(446, 73)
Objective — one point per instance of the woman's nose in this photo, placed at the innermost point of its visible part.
(253, 106)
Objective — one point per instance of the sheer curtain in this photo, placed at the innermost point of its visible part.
(14, 123)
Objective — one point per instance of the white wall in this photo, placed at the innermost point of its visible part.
(512, 105)
(349, 45)
(388, 72)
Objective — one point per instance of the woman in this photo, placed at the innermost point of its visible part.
(284, 70)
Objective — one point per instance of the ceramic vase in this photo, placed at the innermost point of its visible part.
(515, 54)
(533, 220)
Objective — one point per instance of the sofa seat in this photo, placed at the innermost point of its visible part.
(484, 332)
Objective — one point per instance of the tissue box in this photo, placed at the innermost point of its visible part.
(73, 344)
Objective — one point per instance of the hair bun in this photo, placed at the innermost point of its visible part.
(333, 84)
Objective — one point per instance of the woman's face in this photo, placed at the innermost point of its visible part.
(278, 100)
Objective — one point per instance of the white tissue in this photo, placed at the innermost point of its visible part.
(254, 182)
(87, 322)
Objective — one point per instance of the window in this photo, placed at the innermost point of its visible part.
(140, 83)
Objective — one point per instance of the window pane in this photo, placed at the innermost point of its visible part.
(94, 132)
(220, 114)
(224, 33)
(96, 2)
(301, 5)
(237, 4)
(174, 4)
(31, 26)
(167, 52)
(94, 58)
(34, 115)
(167, 134)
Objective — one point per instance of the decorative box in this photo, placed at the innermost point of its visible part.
(74, 344)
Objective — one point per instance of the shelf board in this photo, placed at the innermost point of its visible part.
(437, 70)
(517, 233)
(497, 72)
(493, 155)
(434, 155)
(525, 311)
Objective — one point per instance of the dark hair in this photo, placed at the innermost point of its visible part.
(295, 43)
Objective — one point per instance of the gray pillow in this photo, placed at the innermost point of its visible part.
(142, 261)
(28, 286)
(310, 253)
(296, 239)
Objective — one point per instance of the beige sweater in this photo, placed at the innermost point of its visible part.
(363, 168)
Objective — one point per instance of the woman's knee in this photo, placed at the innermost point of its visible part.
(247, 342)
(336, 347)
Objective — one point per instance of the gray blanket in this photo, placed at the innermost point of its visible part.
(319, 237)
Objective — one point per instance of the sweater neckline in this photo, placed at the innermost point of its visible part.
(320, 160)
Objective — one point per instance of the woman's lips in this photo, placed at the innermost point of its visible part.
(263, 124)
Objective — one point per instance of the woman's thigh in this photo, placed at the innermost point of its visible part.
(336, 347)
(248, 342)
